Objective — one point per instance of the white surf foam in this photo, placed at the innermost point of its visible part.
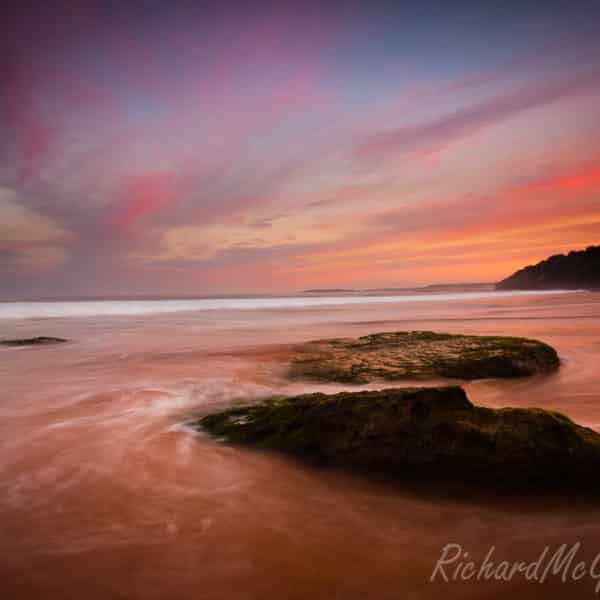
(96, 308)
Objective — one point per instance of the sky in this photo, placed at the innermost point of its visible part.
(194, 148)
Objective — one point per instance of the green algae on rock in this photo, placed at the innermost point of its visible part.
(419, 432)
(420, 355)
(34, 341)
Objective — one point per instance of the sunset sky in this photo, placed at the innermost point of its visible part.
(181, 148)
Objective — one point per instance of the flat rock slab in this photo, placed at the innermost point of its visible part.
(418, 355)
(34, 341)
(435, 433)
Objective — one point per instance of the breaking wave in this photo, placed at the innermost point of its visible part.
(96, 308)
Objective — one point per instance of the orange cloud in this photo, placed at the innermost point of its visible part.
(473, 238)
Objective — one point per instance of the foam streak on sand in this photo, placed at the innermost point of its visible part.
(96, 308)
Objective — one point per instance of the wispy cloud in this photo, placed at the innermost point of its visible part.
(28, 240)
(467, 121)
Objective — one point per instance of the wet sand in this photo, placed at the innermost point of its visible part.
(104, 494)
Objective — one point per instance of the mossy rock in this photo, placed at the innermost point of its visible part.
(34, 341)
(425, 432)
(419, 355)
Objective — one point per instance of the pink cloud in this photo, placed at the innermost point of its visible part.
(467, 121)
(32, 135)
(144, 195)
(584, 179)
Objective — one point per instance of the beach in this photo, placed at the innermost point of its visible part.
(105, 493)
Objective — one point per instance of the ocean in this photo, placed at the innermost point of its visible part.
(106, 493)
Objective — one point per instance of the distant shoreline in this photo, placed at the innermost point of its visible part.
(221, 296)
(427, 288)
